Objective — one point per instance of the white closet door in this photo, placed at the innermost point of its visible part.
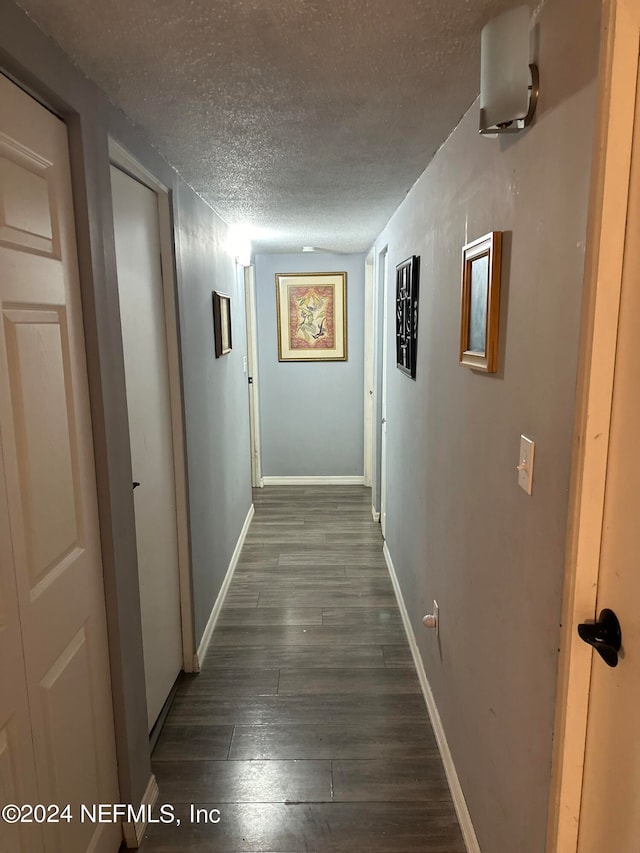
(50, 559)
(145, 352)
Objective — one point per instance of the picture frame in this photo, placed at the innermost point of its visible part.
(407, 295)
(480, 302)
(312, 316)
(221, 323)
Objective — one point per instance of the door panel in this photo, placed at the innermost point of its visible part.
(14, 836)
(17, 762)
(50, 511)
(72, 763)
(40, 387)
(27, 216)
(144, 340)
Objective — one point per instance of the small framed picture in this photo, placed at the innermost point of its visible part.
(221, 323)
(407, 283)
(480, 305)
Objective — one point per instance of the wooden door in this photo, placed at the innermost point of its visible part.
(610, 809)
(149, 404)
(51, 563)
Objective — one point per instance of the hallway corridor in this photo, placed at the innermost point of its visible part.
(307, 728)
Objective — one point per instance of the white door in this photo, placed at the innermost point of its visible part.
(369, 335)
(53, 641)
(385, 351)
(252, 376)
(610, 810)
(140, 287)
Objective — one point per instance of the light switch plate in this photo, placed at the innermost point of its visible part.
(525, 464)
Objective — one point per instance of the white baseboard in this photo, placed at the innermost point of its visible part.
(313, 481)
(133, 833)
(464, 818)
(217, 607)
(375, 515)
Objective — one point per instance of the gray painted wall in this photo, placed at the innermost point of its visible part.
(216, 399)
(458, 527)
(215, 394)
(311, 415)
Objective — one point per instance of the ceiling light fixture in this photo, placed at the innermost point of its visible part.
(308, 249)
(508, 83)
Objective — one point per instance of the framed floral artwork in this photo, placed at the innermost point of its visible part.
(312, 316)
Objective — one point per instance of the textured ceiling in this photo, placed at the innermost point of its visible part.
(307, 120)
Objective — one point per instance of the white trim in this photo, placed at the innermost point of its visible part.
(383, 271)
(375, 514)
(459, 802)
(133, 833)
(121, 159)
(313, 481)
(368, 366)
(226, 583)
(177, 432)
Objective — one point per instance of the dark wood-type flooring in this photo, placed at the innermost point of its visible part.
(306, 727)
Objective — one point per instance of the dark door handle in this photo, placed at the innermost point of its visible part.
(605, 636)
(135, 485)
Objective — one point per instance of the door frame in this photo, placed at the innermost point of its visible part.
(252, 359)
(383, 272)
(618, 73)
(121, 159)
(369, 330)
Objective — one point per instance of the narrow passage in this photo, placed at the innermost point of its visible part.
(307, 728)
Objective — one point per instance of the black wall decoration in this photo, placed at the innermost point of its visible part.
(407, 281)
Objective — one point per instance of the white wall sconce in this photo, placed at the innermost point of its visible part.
(239, 244)
(508, 83)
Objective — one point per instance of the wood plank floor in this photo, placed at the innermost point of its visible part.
(306, 727)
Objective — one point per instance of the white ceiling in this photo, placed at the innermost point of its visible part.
(308, 120)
